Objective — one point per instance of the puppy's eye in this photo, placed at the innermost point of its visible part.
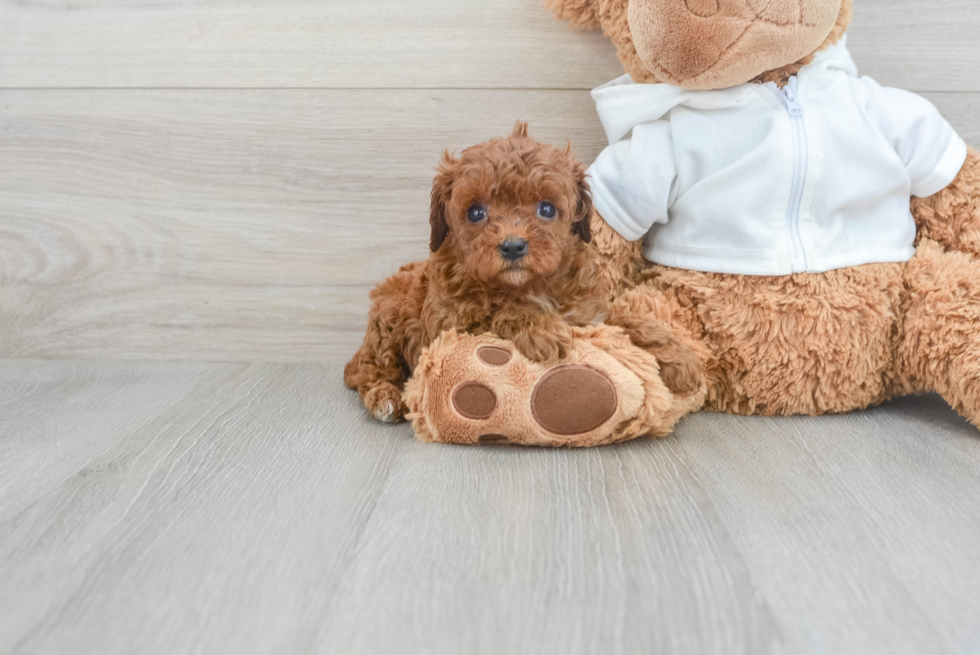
(547, 211)
(476, 214)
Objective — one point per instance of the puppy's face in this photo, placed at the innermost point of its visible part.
(512, 210)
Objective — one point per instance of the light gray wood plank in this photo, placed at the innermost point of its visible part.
(265, 512)
(236, 225)
(291, 43)
(232, 225)
(220, 526)
(862, 523)
(58, 416)
(919, 46)
(614, 550)
(383, 43)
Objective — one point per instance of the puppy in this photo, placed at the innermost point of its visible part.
(510, 232)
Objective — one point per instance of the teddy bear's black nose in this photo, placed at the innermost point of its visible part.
(513, 248)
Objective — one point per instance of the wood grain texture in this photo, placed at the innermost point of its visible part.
(295, 43)
(58, 416)
(237, 225)
(257, 509)
(787, 491)
(396, 44)
(229, 517)
(233, 225)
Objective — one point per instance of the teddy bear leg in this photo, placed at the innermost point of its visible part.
(939, 348)
(952, 216)
(803, 344)
(481, 390)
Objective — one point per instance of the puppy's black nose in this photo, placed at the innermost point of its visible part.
(513, 248)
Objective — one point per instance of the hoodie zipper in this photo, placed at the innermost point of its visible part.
(801, 156)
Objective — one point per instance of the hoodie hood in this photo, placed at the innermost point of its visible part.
(623, 104)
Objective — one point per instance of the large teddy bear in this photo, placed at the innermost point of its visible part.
(755, 198)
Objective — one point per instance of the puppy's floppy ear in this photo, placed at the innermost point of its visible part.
(582, 14)
(442, 191)
(520, 130)
(582, 222)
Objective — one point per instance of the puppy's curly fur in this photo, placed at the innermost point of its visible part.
(502, 191)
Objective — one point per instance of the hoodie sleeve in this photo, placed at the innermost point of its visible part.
(932, 151)
(633, 180)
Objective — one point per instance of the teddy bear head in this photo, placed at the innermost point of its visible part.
(711, 44)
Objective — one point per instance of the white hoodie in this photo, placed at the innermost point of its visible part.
(757, 181)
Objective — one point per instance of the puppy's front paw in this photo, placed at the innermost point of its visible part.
(544, 347)
(385, 403)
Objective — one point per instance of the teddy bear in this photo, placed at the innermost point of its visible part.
(813, 236)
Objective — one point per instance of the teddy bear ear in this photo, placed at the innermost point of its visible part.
(582, 14)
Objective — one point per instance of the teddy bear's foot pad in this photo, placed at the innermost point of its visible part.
(573, 399)
(481, 390)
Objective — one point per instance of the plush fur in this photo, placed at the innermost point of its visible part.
(762, 58)
(468, 284)
(704, 44)
(829, 342)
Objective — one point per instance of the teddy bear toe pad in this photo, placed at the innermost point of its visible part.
(494, 356)
(474, 401)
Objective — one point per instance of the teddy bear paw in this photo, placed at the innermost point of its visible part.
(482, 390)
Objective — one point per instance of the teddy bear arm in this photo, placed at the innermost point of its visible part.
(618, 262)
(952, 216)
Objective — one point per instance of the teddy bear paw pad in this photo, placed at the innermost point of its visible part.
(573, 399)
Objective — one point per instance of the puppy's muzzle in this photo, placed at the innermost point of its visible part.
(513, 248)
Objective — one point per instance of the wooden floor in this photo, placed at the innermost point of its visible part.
(190, 184)
(163, 508)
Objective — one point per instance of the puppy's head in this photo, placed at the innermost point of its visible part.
(511, 210)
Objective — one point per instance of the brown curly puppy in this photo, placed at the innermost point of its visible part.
(511, 256)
